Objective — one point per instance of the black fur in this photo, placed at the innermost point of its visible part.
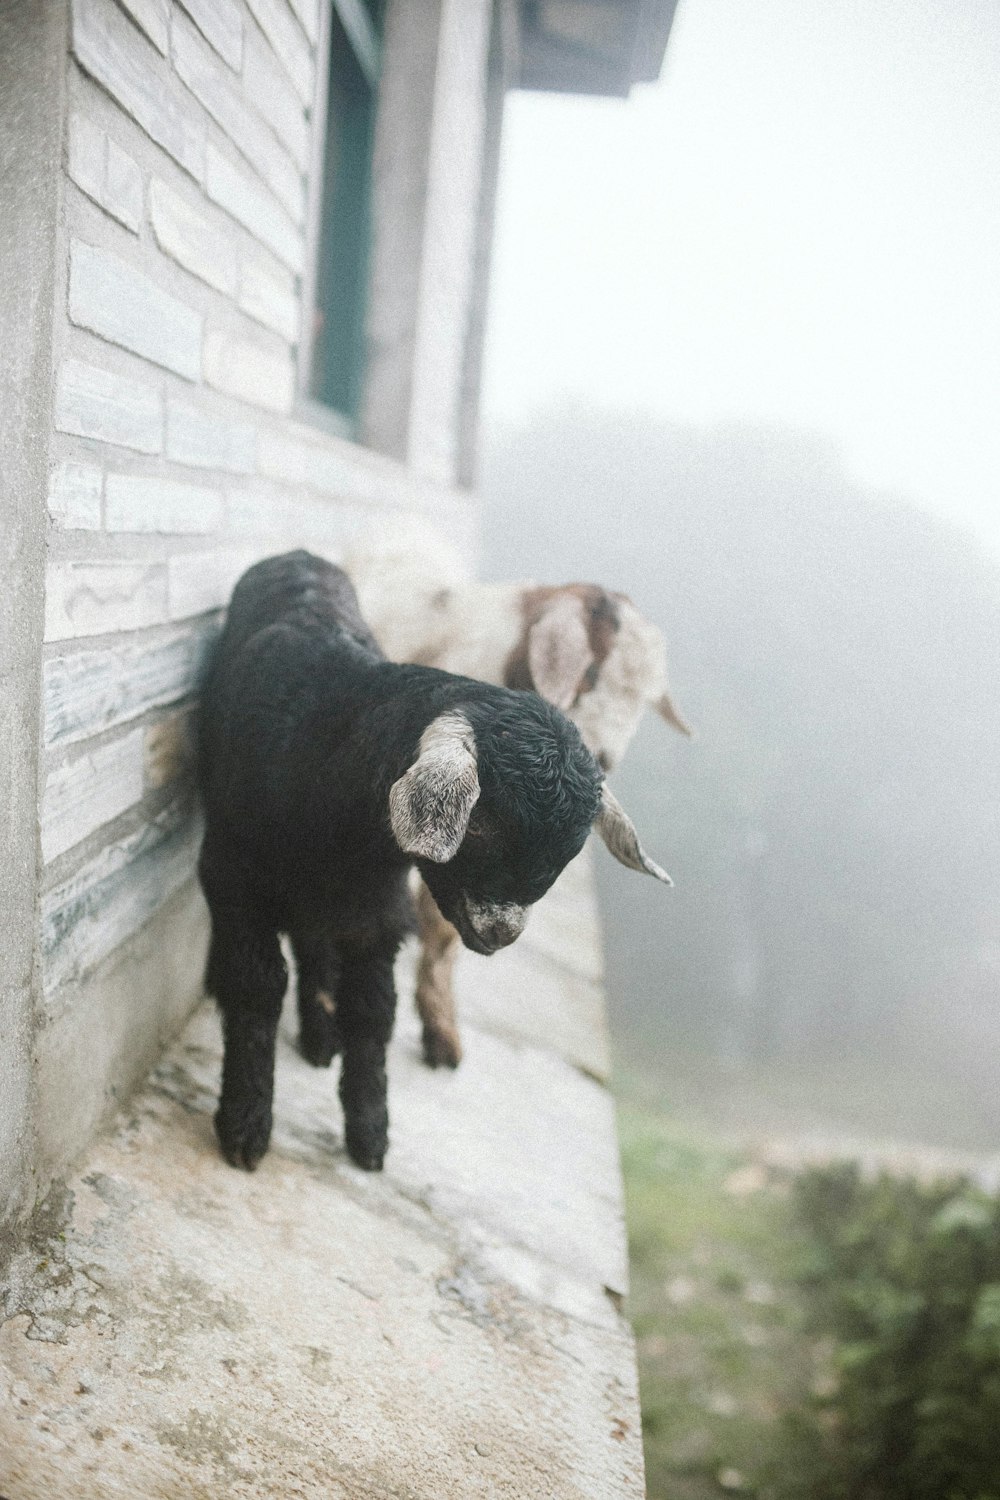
(304, 729)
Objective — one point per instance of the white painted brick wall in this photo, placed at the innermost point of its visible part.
(308, 17)
(211, 82)
(89, 914)
(220, 23)
(190, 236)
(203, 581)
(123, 187)
(267, 84)
(283, 457)
(284, 518)
(267, 293)
(98, 596)
(88, 147)
(242, 365)
(136, 503)
(88, 790)
(289, 42)
(199, 437)
(95, 403)
(154, 18)
(123, 305)
(249, 202)
(105, 172)
(75, 496)
(87, 691)
(111, 50)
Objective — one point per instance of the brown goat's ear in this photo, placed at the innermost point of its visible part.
(618, 832)
(559, 651)
(666, 710)
(429, 807)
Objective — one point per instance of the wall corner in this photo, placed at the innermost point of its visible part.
(32, 106)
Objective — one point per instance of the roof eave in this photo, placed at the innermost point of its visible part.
(550, 64)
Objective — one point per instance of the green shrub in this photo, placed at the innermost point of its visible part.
(906, 1281)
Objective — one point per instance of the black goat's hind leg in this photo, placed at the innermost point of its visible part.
(318, 966)
(366, 1006)
(247, 975)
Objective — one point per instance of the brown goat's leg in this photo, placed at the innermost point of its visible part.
(435, 995)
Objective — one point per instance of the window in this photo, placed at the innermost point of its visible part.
(338, 310)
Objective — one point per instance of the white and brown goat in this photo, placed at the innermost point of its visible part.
(585, 649)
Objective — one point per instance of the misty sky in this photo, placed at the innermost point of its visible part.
(800, 223)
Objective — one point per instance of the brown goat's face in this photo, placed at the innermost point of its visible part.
(631, 676)
(591, 653)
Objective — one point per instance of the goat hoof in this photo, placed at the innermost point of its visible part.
(318, 1051)
(365, 1153)
(372, 1163)
(243, 1142)
(442, 1049)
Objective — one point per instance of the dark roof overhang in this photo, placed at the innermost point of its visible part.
(592, 46)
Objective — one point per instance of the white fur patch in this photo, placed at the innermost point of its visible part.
(429, 807)
(486, 917)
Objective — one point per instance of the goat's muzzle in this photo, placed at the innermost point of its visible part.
(486, 927)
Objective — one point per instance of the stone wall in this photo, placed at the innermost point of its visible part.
(179, 448)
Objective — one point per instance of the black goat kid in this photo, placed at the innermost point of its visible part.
(327, 771)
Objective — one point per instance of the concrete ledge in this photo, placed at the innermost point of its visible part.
(451, 1328)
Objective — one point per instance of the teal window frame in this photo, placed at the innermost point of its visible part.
(338, 303)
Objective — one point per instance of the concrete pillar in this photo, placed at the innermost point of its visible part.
(400, 172)
(447, 271)
(431, 218)
(501, 71)
(32, 73)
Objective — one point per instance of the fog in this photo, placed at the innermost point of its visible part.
(831, 953)
(743, 348)
(799, 224)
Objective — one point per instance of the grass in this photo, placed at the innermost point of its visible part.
(723, 1351)
(822, 1334)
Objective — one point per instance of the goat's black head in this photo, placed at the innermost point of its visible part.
(501, 796)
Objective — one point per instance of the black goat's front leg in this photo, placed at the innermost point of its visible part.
(318, 965)
(366, 1008)
(247, 975)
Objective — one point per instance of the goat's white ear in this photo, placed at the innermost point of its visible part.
(618, 832)
(666, 710)
(429, 807)
(559, 651)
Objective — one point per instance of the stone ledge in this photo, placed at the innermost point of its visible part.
(450, 1328)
